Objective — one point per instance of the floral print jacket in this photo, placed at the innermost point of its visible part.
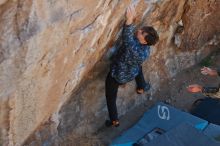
(130, 56)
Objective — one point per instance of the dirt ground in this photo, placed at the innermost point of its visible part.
(172, 91)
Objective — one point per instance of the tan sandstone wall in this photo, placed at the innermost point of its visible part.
(52, 68)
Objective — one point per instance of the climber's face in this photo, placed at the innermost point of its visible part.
(141, 36)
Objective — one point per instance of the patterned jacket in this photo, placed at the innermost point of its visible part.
(127, 61)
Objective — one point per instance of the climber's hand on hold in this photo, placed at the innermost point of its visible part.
(130, 15)
(194, 88)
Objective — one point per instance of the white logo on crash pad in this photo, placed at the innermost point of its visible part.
(163, 112)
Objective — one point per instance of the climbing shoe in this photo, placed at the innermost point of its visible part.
(114, 123)
(142, 90)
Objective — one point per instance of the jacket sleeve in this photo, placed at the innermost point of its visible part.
(129, 41)
(128, 35)
(132, 45)
(210, 89)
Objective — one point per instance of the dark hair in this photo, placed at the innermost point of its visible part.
(152, 37)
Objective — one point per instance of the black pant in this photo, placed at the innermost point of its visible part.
(111, 89)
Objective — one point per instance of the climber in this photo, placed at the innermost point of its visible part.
(209, 91)
(126, 64)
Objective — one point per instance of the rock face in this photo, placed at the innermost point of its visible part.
(52, 68)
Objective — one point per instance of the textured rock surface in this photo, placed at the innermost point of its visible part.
(52, 69)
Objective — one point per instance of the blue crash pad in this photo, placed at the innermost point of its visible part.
(183, 135)
(161, 116)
